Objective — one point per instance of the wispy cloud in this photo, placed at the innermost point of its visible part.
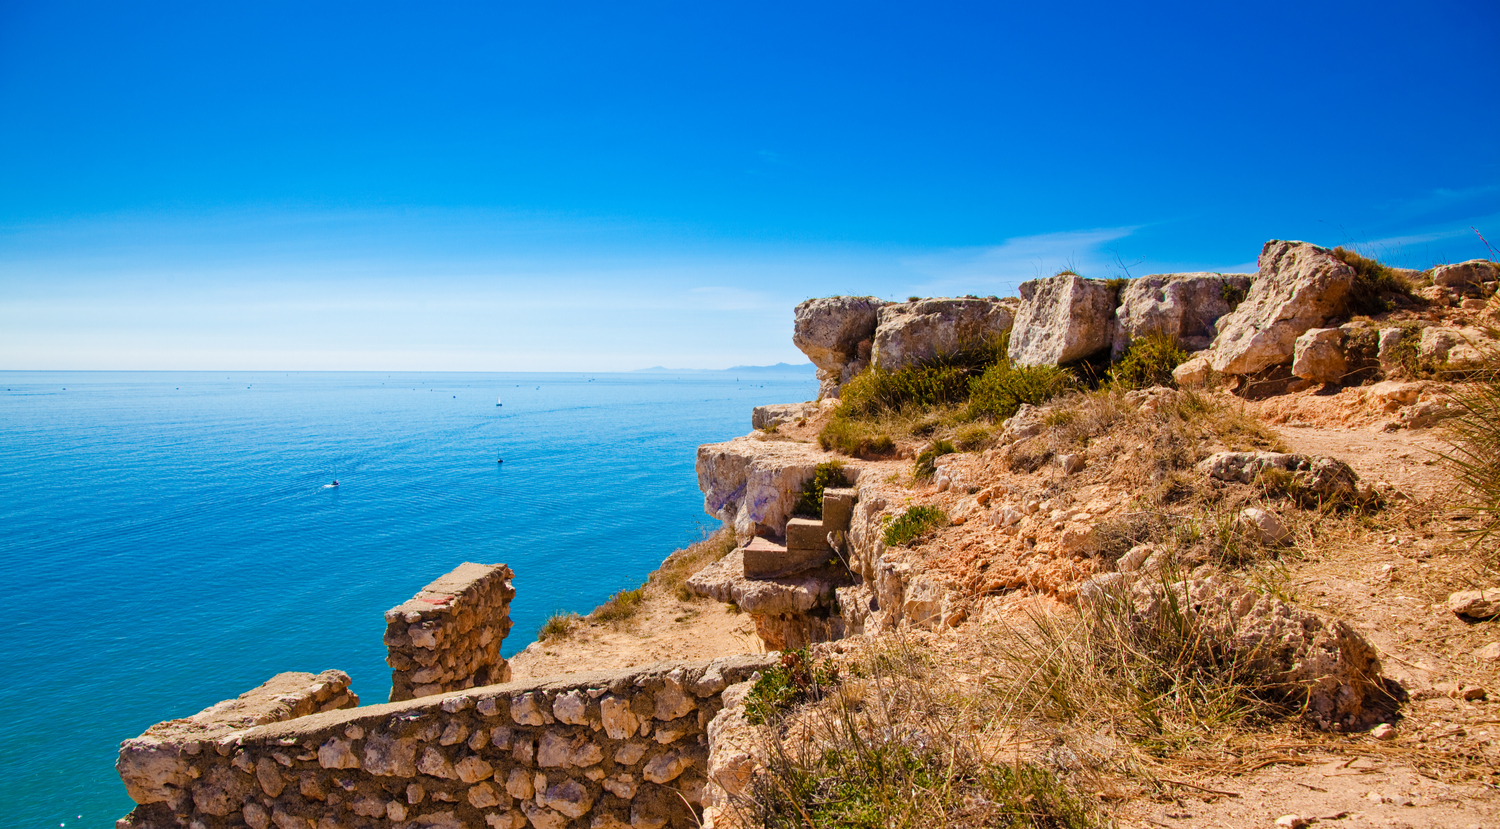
(999, 269)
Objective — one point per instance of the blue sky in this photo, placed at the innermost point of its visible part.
(580, 186)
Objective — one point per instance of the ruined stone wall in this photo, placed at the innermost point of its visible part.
(601, 750)
(447, 637)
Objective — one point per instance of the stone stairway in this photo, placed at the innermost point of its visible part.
(789, 588)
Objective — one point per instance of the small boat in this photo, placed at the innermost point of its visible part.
(498, 403)
(335, 483)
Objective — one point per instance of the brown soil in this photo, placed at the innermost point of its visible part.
(664, 628)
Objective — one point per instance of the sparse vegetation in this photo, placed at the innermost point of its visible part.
(620, 606)
(1377, 288)
(794, 680)
(926, 464)
(558, 626)
(1475, 462)
(909, 525)
(1148, 361)
(810, 499)
(857, 438)
(671, 577)
(889, 747)
(1233, 294)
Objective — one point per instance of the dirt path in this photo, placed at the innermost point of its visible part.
(1389, 577)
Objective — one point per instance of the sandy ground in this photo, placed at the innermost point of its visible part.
(663, 629)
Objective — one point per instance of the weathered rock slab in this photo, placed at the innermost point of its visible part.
(910, 333)
(1299, 286)
(837, 334)
(1184, 306)
(1062, 319)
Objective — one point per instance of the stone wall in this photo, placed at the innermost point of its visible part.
(600, 750)
(447, 637)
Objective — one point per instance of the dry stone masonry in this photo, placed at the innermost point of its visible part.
(447, 637)
(600, 750)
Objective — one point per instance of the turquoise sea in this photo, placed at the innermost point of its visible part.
(168, 540)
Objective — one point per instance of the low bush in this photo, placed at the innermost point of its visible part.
(558, 625)
(1377, 288)
(939, 381)
(810, 498)
(888, 748)
(856, 438)
(909, 525)
(1148, 361)
(620, 606)
(794, 680)
(926, 463)
(1003, 388)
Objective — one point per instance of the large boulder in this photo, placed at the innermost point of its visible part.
(1186, 306)
(753, 485)
(1466, 277)
(1322, 667)
(915, 332)
(1299, 286)
(1062, 319)
(836, 333)
(1318, 356)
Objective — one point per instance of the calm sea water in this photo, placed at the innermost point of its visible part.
(167, 539)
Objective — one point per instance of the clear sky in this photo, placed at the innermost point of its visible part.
(608, 186)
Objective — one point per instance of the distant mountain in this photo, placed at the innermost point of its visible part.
(779, 368)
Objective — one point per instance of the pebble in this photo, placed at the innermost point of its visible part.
(1384, 731)
(1291, 822)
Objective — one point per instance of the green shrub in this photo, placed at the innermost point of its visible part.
(973, 437)
(1377, 288)
(620, 606)
(856, 438)
(911, 524)
(558, 625)
(926, 465)
(792, 681)
(1148, 361)
(810, 499)
(939, 381)
(1003, 388)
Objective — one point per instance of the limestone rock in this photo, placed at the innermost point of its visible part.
(1185, 306)
(1318, 356)
(775, 414)
(725, 581)
(1062, 319)
(1321, 665)
(1329, 479)
(1476, 604)
(1193, 373)
(752, 485)
(1466, 277)
(1456, 347)
(910, 333)
(1391, 340)
(1263, 526)
(836, 333)
(1299, 286)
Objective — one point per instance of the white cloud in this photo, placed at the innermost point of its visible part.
(999, 269)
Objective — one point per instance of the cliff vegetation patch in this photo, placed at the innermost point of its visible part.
(912, 524)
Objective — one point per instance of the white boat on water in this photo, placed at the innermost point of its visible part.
(498, 403)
